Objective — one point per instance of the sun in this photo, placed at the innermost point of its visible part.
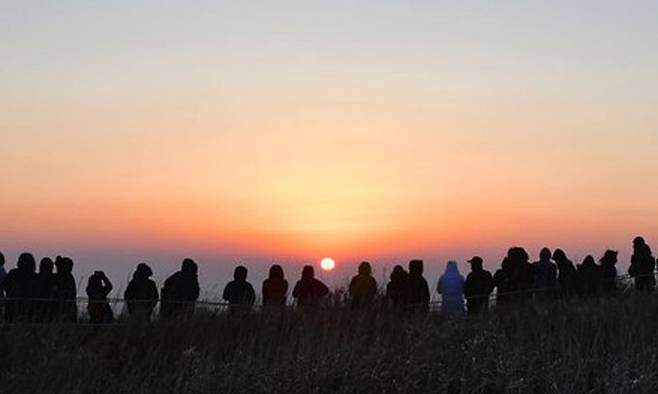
(327, 264)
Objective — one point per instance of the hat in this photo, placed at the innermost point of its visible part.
(475, 260)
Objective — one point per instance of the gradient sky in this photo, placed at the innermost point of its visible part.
(290, 131)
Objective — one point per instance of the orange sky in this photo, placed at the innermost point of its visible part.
(300, 133)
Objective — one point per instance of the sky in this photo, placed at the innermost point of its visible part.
(261, 132)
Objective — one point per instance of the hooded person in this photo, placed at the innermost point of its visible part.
(180, 291)
(609, 273)
(417, 295)
(589, 277)
(275, 287)
(396, 289)
(239, 293)
(545, 275)
(309, 291)
(65, 290)
(98, 288)
(567, 276)
(478, 287)
(363, 287)
(642, 266)
(45, 290)
(141, 295)
(19, 287)
(451, 288)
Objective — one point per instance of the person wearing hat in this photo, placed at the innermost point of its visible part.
(478, 287)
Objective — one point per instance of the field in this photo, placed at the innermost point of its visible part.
(608, 345)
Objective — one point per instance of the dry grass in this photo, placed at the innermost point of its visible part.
(588, 346)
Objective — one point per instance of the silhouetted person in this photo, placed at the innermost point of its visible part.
(65, 290)
(363, 287)
(567, 276)
(504, 283)
(642, 266)
(19, 287)
(239, 293)
(589, 277)
(396, 289)
(275, 287)
(3, 272)
(417, 295)
(98, 288)
(451, 288)
(609, 273)
(478, 287)
(309, 291)
(545, 275)
(45, 290)
(180, 291)
(142, 294)
(524, 277)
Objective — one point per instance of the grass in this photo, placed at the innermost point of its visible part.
(600, 346)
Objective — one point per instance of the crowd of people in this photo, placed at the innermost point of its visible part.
(50, 294)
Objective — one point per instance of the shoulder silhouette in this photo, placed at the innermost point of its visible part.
(98, 288)
(239, 293)
(567, 276)
(19, 286)
(141, 295)
(275, 287)
(589, 277)
(45, 290)
(609, 273)
(643, 265)
(180, 291)
(65, 290)
(545, 275)
(363, 287)
(451, 288)
(309, 291)
(396, 289)
(478, 287)
(417, 291)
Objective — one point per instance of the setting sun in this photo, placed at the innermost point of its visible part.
(327, 264)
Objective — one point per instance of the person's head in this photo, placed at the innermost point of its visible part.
(189, 267)
(545, 255)
(240, 273)
(639, 242)
(95, 280)
(308, 272)
(46, 266)
(276, 272)
(365, 268)
(2, 260)
(398, 274)
(589, 260)
(416, 267)
(609, 257)
(518, 255)
(26, 262)
(559, 255)
(476, 263)
(64, 265)
(143, 271)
